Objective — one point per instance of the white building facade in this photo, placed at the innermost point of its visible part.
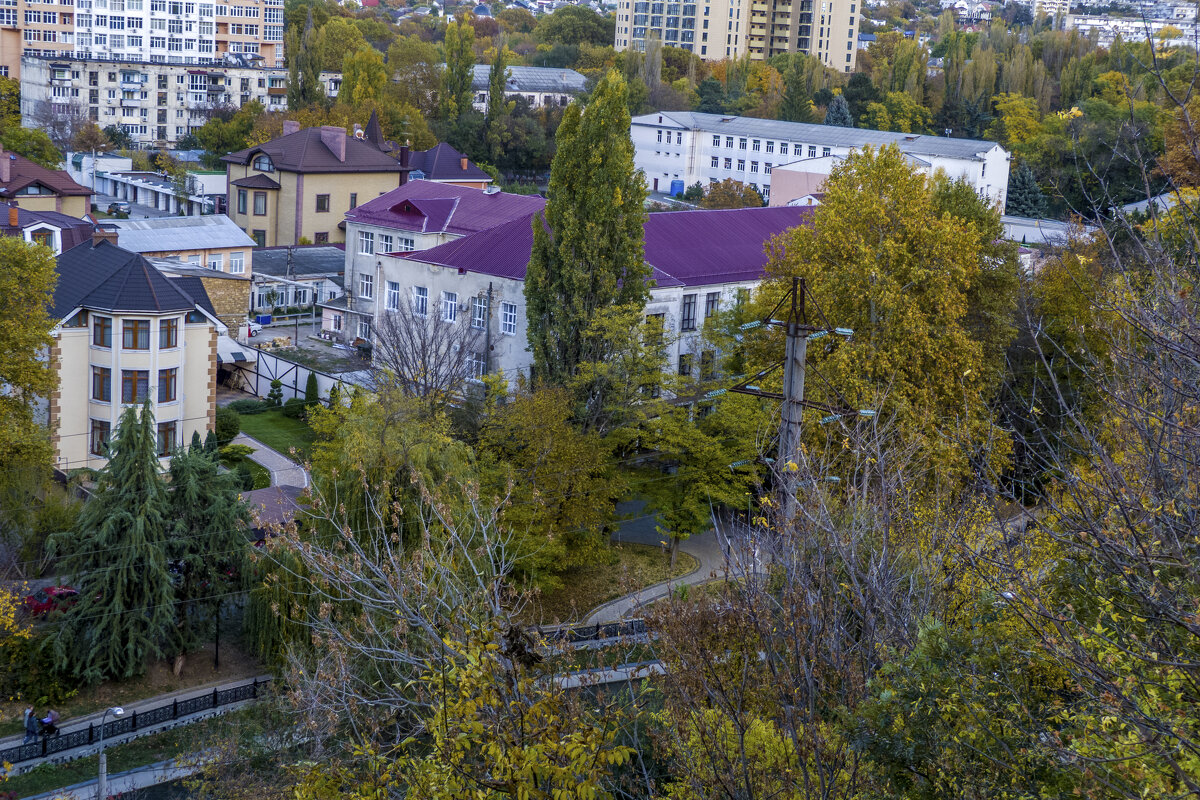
(675, 149)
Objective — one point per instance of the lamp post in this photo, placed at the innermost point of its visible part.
(102, 783)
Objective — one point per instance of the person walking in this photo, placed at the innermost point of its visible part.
(31, 726)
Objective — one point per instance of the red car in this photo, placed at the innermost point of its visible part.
(52, 598)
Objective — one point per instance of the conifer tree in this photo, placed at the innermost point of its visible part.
(588, 247)
(208, 542)
(796, 106)
(304, 67)
(117, 559)
(1025, 198)
(497, 106)
(456, 79)
(312, 393)
(838, 113)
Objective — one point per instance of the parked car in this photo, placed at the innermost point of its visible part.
(255, 328)
(52, 598)
(119, 208)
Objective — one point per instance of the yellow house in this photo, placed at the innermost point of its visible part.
(301, 185)
(127, 333)
(36, 188)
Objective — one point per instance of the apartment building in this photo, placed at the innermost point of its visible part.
(157, 31)
(718, 29)
(675, 149)
(1131, 29)
(155, 103)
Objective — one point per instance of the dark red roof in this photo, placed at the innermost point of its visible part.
(22, 173)
(311, 150)
(71, 230)
(258, 181)
(684, 248)
(427, 207)
(443, 163)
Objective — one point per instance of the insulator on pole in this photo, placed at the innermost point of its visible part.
(830, 418)
(817, 335)
(844, 331)
(866, 412)
(747, 326)
(715, 393)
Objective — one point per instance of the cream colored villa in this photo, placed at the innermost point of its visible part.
(127, 333)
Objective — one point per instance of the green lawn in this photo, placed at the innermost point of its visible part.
(280, 433)
(632, 567)
(262, 476)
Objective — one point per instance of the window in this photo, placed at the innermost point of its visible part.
(756, 145)
(812, 151)
(715, 161)
(44, 238)
(385, 243)
(449, 306)
(685, 364)
(657, 323)
(215, 261)
(237, 263)
(337, 322)
(754, 166)
(741, 144)
(102, 384)
(364, 330)
(322, 203)
(241, 201)
(741, 165)
(479, 312)
(405, 244)
(420, 301)
(366, 243)
(166, 438)
(366, 286)
(100, 433)
(825, 151)
(508, 318)
(135, 334)
(706, 365)
(476, 365)
(770, 147)
(712, 304)
(729, 163)
(716, 141)
(135, 385)
(393, 296)
(102, 331)
(168, 333)
(354, 200)
(260, 204)
(687, 315)
(166, 385)
(259, 236)
(321, 237)
(263, 164)
(783, 149)
(729, 141)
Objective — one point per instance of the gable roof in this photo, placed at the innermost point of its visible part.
(170, 234)
(257, 181)
(443, 163)
(309, 150)
(22, 173)
(683, 248)
(72, 230)
(428, 207)
(104, 277)
(829, 135)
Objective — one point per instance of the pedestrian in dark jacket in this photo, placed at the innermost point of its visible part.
(31, 726)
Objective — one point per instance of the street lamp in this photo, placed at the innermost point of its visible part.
(102, 784)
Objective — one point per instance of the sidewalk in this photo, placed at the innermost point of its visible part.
(122, 782)
(284, 471)
(141, 706)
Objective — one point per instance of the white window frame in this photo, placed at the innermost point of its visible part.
(508, 319)
(366, 286)
(366, 243)
(392, 296)
(479, 313)
(237, 263)
(449, 306)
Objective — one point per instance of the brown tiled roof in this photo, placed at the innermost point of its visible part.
(307, 150)
(22, 173)
(259, 181)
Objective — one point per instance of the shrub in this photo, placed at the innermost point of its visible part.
(312, 395)
(294, 408)
(275, 396)
(248, 406)
(228, 425)
(245, 476)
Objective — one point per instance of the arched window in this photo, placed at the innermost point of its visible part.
(263, 163)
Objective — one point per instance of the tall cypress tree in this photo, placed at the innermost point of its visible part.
(304, 67)
(117, 557)
(208, 545)
(498, 106)
(796, 105)
(592, 255)
(838, 113)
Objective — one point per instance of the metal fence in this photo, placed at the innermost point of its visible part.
(130, 723)
(577, 634)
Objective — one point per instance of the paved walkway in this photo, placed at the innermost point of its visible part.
(140, 706)
(284, 471)
(705, 548)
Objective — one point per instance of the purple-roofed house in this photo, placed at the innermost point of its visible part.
(702, 261)
(417, 216)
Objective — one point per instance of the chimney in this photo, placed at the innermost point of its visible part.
(290, 126)
(5, 166)
(14, 215)
(463, 163)
(334, 138)
(104, 235)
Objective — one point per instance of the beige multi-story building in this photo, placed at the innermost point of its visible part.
(160, 31)
(719, 29)
(127, 333)
(155, 103)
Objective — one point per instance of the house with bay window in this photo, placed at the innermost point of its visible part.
(126, 333)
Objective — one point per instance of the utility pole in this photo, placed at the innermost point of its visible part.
(792, 403)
